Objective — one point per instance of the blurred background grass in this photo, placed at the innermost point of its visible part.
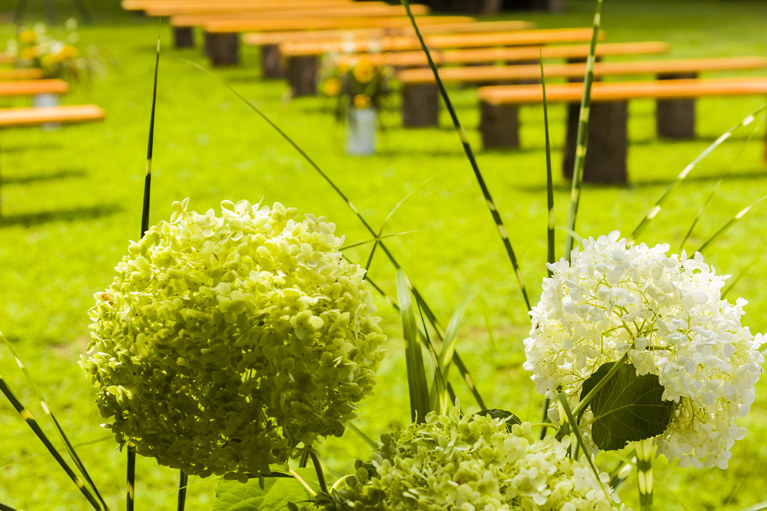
(71, 200)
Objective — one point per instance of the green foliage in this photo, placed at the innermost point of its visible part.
(267, 494)
(627, 407)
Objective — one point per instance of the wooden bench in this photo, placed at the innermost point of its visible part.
(608, 116)
(21, 73)
(303, 58)
(272, 61)
(33, 87)
(36, 116)
(514, 54)
(183, 36)
(420, 97)
(222, 42)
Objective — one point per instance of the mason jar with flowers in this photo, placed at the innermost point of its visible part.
(359, 87)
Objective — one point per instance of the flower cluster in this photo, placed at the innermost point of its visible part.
(354, 82)
(473, 462)
(666, 314)
(35, 48)
(224, 341)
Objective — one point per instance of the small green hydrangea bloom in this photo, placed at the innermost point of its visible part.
(469, 463)
(225, 341)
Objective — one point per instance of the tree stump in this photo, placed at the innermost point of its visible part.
(302, 75)
(420, 105)
(222, 48)
(271, 61)
(607, 143)
(675, 118)
(499, 125)
(183, 37)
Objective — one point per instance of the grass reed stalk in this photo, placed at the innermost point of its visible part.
(183, 484)
(500, 226)
(582, 136)
(62, 436)
(686, 171)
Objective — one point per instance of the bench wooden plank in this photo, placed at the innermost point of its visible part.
(484, 74)
(476, 40)
(622, 91)
(606, 161)
(513, 54)
(268, 38)
(184, 8)
(140, 5)
(232, 21)
(21, 73)
(32, 87)
(18, 117)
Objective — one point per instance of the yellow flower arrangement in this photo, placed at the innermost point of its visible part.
(355, 83)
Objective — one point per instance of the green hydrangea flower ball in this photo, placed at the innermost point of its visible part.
(223, 342)
(469, 463)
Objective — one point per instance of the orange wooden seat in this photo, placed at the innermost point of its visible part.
(608, 116)
(36, 116)
(32, 87)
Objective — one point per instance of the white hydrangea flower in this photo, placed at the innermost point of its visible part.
(667, 313)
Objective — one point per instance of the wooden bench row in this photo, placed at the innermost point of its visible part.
(273, 63)
(608, 116)
(420, 97)
(36, 116)
(303, 58)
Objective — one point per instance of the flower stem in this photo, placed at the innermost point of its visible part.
(644, 473)
(318, 469)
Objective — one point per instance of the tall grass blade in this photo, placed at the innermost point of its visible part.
(502, 231)
(686, 171)
(440, 399)
(740, 275)
(550, 226)
(3, 507)
(130, 496)
(582, 136)
(740, 214)
(699, 215)
(416, 371)
(35, 427)
(579, 438)
(451, 336)
(46, 409)
(183, 482)
(416, 293)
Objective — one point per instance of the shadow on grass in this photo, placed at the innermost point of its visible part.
(62, 174)
(59, 215)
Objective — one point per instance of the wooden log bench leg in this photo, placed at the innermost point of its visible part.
(183, 37)
(606, 146)
(222, 48)
(302, 75)
(271, 61)
(675, 118)
(420, 105)
(499, 125)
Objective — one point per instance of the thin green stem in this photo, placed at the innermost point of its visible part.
(130, 479)
(502, 231)
(318, 469)
(644, 473)
(183, 483)
(582, 136)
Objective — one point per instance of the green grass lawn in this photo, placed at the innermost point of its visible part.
(71, 201)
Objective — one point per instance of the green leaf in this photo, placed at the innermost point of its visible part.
(416, 370)
(499, 414)
(627, 407)
(276, 493)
